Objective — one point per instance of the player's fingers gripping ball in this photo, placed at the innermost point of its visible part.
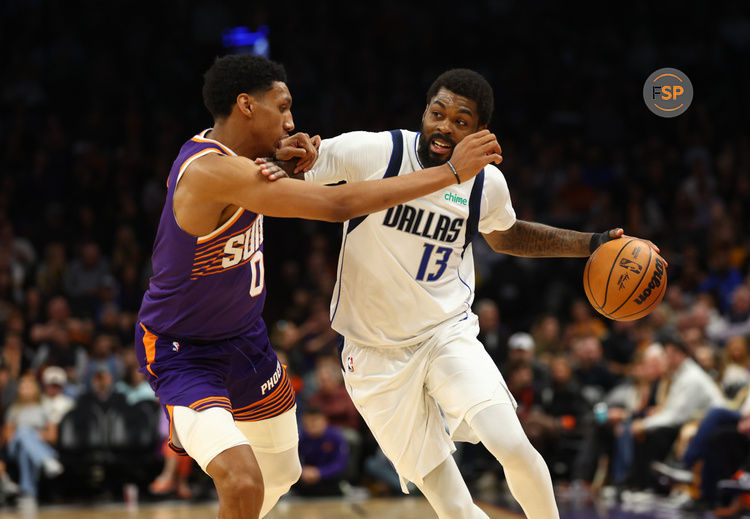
(625, 279)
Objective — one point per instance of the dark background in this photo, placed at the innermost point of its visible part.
(96, 99)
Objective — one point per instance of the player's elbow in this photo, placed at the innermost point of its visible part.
(496, 242)
(342, 208)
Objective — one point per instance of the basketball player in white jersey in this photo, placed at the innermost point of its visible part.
(403, 296)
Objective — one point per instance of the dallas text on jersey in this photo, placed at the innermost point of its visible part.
(437, 226)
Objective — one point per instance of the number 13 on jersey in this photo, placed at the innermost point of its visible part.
(442, 254)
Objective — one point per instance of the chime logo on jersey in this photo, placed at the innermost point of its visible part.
(241, 247)
(452, 197)
(430, 225)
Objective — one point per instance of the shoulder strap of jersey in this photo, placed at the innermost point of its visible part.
(475, 203)
(394, 166)
(200, 152)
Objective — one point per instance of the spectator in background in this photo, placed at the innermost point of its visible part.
(11, 295)
(318, 339)
(30, 434)
(14, 354)
(722, 444)
(521, 348)
(547, 339)
(126, 251)
(583, 323)
(722, 278)
(105, 349)
(8, 388)
(85, 277)
(59, 339)
(20, 252)
(609, 431)
(174, 476)
(563, 401)
(54, 401)
(591, 371)
(691, 393)
(736, 365)
(131, 291)
(737, 320)
(134, 385)
(707, 359)
(493, 334)
(559, 409)
(102, 393)
(324, 455)
(331, 397)
(619, 346)
(50, 275)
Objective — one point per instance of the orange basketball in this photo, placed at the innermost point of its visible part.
(625, 279)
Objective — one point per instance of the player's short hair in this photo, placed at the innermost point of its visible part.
(236, 74)
(469, 84)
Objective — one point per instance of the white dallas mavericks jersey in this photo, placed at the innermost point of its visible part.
(408, 269)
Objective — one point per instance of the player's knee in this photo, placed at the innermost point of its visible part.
(510, 450)
(247, 485)
(235, 474)
(283, 477)
(517, 452)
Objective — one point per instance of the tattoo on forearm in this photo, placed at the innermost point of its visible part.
(533, 239)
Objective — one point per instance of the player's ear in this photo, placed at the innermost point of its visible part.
(246, 104)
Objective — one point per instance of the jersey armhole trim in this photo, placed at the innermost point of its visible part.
(190, 160)
(475, 204)
(223, 227)
(393, 169)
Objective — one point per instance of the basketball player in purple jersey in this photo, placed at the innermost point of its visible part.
(200, 338)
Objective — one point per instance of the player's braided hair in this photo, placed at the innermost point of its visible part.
(469, 84)
(235, 74)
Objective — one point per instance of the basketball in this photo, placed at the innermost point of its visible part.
(625, 279)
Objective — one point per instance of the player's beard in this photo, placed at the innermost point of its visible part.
(426, 157)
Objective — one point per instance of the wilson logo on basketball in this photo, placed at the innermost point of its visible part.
(653, 283)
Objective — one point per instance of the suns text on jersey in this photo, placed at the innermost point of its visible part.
(423, 223)
(241, 247)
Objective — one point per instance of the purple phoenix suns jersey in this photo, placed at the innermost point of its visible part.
(210, 287)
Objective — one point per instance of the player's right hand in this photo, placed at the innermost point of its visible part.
(301, 149)
(474, 152)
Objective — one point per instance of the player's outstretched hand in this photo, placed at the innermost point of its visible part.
(475, 152)
(270, 169)
(617, 233)
(300, 150)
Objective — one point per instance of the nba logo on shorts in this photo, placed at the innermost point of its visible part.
(350, 363)
(175, 346)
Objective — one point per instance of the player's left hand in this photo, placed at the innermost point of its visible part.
(271, 170)
(617, 233)
(301, 149)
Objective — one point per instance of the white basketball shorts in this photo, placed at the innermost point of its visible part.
(398, 390)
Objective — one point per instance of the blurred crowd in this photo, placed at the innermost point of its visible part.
(94, 108)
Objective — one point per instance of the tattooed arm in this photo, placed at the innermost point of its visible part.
(531, 239)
